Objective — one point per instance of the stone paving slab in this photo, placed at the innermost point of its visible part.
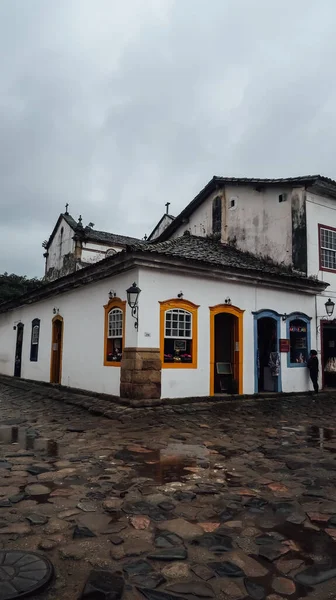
(232, 501)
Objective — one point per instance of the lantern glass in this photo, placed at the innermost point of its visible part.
(329, 306)
(132, 295)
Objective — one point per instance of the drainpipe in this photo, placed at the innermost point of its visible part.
(224, 213)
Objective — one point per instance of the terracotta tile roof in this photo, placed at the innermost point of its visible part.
(111, 238)
(214, 253)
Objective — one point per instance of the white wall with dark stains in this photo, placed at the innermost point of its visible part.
(93, 252)
(200, 221)
(258, 222)
(61, 245)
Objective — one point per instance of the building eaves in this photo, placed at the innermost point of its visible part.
(324, 185)
(188, 254)
(213, 253)
(109, 238)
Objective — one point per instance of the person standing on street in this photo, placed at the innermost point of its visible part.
(313, 366)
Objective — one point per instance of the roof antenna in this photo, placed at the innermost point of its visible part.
(66, 208)
(167, 207)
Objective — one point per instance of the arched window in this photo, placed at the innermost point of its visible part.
(110, 252)
(178, 336)
(114, 332)
(217, 215)
(34, 342)
(298, 333)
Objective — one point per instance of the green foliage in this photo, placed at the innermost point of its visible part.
(12, 286)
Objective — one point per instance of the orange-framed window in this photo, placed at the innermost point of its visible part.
(178, 334)
(114, 332)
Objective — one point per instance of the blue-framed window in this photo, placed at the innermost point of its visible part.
(298, 333)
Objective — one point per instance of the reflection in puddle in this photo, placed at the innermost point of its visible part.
(172, 464)
(318, 436)
(28, 439)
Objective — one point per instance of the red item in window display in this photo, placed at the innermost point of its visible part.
(114, 356)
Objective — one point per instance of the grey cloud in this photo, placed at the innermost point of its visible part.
(118, 107)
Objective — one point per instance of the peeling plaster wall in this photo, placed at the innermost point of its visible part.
(299, 231)
(200, 222)
(62, 245)
(92, 252)
(259, 223)
(161, 227)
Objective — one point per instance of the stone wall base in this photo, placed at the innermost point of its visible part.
(140, 374)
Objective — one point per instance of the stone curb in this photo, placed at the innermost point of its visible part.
(114, 408)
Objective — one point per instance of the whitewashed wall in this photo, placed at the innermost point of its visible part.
(61, 245)
(83, 341)
(200, 222)
(83, 336)
(320, 210)
(160, 227)
(158, 286)
(259, 222)
(92, 252)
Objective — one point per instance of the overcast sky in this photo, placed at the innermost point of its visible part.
(117, 107)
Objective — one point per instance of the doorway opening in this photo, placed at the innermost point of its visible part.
(18, 350)
(56, 350)
(266, 331)
(328, 354)
(226, 352)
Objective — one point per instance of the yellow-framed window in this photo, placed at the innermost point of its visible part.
(114, 332)
(178, 334)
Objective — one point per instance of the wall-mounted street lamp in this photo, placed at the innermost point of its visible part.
(329, 306)
(132, 301)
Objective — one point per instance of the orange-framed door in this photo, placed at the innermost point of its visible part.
(238, 349)
(56, 350)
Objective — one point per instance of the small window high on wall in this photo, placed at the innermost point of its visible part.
(35, 338)
(298, 332)
(217, 215)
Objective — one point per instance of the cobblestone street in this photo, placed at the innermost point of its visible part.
(235, 501)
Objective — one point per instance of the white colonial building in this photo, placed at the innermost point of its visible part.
(229, 298)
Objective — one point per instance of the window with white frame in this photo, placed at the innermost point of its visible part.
(328, 248)
(114, 335)
(178, 335)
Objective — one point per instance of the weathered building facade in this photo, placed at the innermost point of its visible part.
(232, 295)
(71, 246)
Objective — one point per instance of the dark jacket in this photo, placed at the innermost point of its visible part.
(313, 364)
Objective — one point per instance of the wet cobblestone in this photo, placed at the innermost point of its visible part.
(226, 501)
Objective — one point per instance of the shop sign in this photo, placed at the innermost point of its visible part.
(284, 345)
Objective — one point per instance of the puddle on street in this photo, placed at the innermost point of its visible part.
(173, 463)
(28, 439)
(322, 438)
